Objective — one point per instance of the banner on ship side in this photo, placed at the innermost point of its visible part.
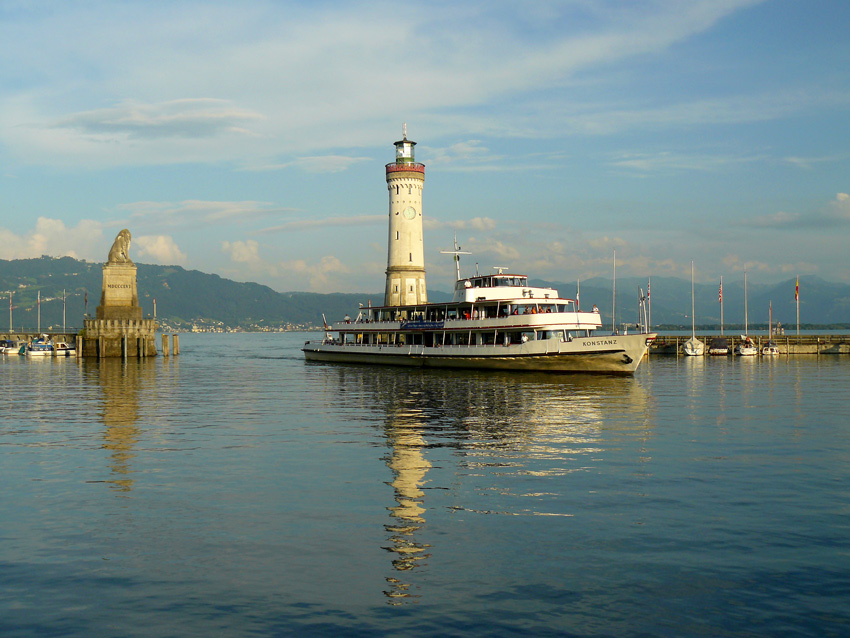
(422, 325)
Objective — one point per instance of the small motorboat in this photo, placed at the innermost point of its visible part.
(63, 349)
(40, 347)
(770, 349)
(11, 346)
(719, 347)
(746, 347)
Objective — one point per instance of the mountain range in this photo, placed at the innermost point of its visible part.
(187, 299)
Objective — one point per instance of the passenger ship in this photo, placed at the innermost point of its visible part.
(493, 322)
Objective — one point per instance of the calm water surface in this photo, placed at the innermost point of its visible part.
(236, 490)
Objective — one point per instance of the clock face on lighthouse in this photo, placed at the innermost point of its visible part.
(409, 212)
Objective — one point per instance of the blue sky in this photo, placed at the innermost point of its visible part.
(249, 139)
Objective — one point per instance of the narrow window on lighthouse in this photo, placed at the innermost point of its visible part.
(411, 256)
(396, 190)
(396, 234)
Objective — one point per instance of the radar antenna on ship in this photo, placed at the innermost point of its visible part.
(457, 252)
(499, 269)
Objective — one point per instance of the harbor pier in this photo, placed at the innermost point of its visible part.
(788, 344)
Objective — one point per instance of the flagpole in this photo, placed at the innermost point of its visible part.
(640, 303)
(797, 300)
(578, 294)
(649, 304)
(614, 298)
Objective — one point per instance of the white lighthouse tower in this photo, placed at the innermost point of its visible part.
(406, 251)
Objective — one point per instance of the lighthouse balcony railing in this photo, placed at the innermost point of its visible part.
(397, 167)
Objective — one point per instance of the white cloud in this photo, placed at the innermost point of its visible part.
(668, 161)
(476, 223)
(244, 252)
(776, 220)
(322, 275)
(52, 237)
(808, 163)
(840, 207)
(176, 83)
(328, 222)
(162, 249)
(193, 212)
(177, 118)
(835, 213)
(317, 164)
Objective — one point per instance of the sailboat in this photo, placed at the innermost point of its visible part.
(771, 348)
(746, 348)
(693, 347)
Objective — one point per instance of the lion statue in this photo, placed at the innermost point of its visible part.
(120, 251)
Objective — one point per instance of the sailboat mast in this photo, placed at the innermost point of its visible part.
(746, 328)
(721, 305)
(770, 322)
(693, 320)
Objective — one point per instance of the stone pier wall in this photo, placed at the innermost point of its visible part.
(126, 338)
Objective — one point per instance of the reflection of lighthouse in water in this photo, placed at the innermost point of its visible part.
(119, 381)
(409, 468)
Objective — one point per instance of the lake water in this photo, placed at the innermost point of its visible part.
(236, 490)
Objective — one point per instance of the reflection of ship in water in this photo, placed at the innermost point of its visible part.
(526, 423)
(120, 383)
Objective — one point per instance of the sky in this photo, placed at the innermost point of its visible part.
(249, 139)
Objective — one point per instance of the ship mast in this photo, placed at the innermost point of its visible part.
(457, 252)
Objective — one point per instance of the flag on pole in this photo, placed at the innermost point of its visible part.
(797, 290)
(649, 281)
(720, 293)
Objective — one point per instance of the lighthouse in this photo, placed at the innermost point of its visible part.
(405, 251)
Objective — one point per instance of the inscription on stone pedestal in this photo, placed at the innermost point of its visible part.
(119, 299)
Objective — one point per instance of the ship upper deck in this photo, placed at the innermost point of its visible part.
(499, 287)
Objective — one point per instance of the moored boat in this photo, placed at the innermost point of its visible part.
(11, 346)
(693, 347)
(746, 347)
(770, 349)
(40, 347)
(719, 347)
(63, 349)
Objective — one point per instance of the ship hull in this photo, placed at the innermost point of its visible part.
(619, 355)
